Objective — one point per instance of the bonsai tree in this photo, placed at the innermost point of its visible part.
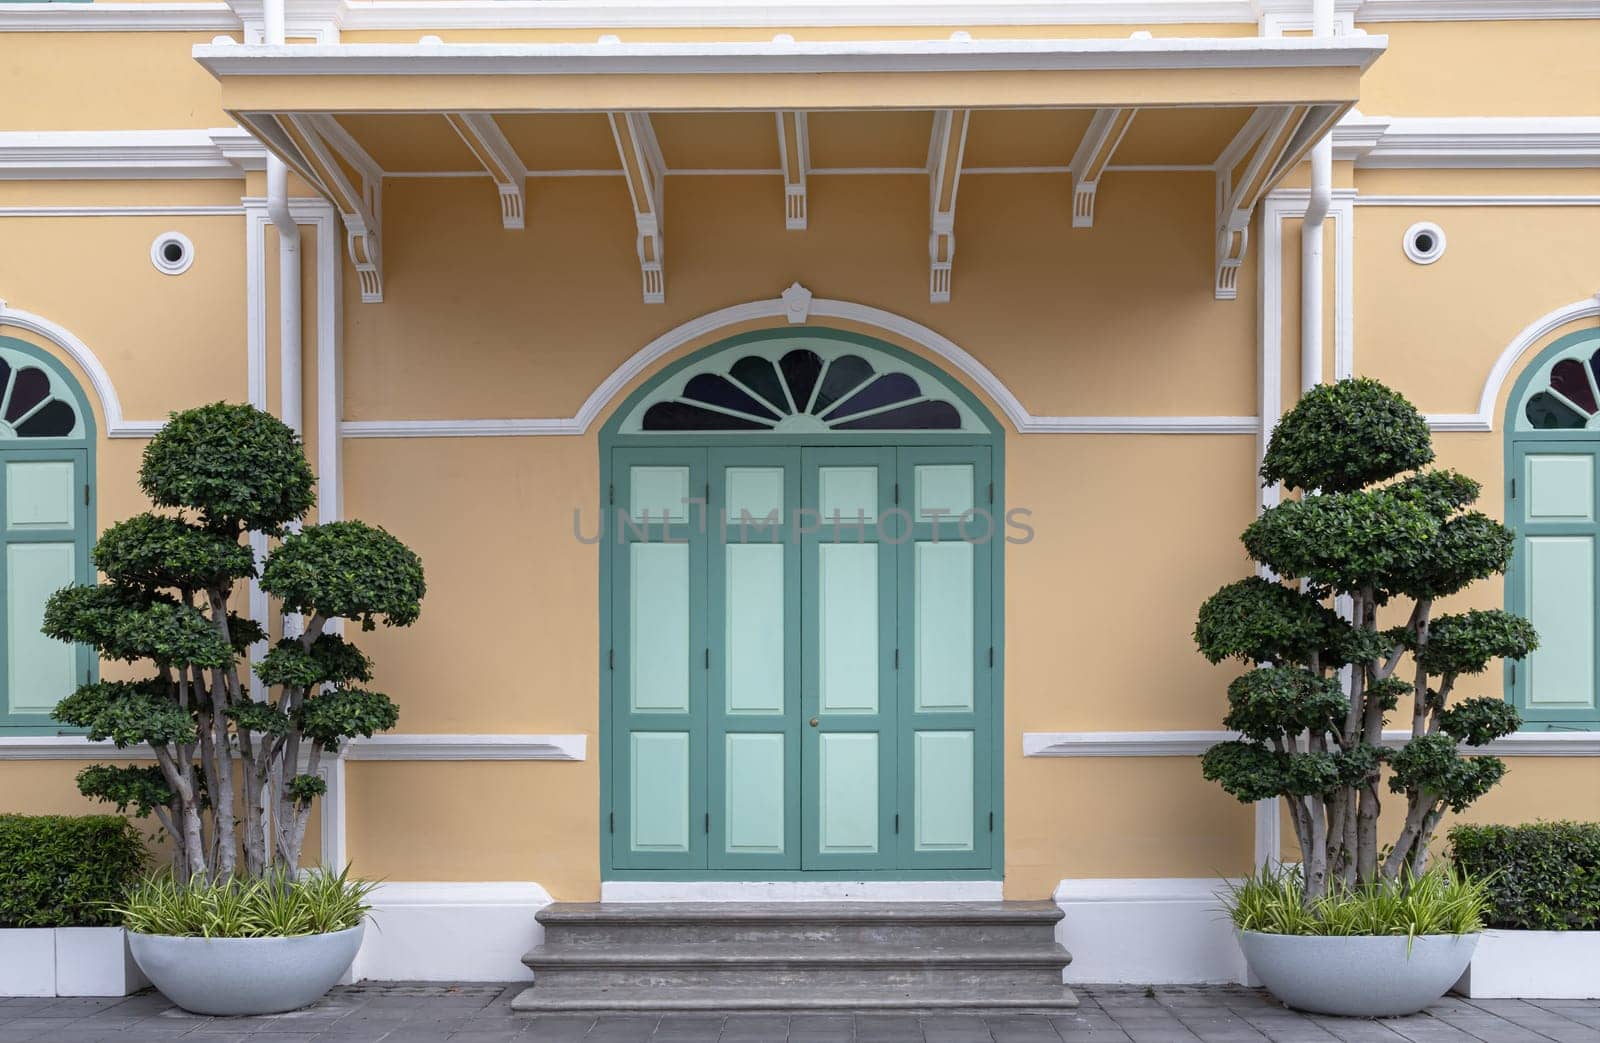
(224, 472)
(1371, 534)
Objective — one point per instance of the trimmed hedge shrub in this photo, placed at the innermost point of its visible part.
(1546, 875)
(66, 871)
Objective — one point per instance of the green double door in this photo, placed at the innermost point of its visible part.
(801, 660)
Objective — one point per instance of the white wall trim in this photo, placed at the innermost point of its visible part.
(416, 747)
(788, 57)
(115, 210)
(222, 152)
(1431, 142)
(755, 311)
(620, 14)
(1532, 337)
(80, 353)
(801, 891)
(1423, 200)
(1194, 743)
(118, 18)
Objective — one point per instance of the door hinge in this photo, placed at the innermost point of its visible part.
(991, 657)
(897, 821)
(1513, 671)
(611, 495)
(708, 492)
(708, 822)
(1513, 488)
(991, 492)
(708, 658)
(897, 492)
(611, 659)
(897, 659)
(613, 817)
(991, 822)
(86, 496)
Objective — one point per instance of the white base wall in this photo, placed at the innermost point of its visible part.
(451, 932)
(67, 961)
(1546, 965)
(1148, 932)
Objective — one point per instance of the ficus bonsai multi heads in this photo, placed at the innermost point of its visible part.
(1373, 532)
(223, 472)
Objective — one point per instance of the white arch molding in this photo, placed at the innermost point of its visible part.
(799, 306)
(116, 425)
(1532, 337)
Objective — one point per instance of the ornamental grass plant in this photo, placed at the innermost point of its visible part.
(275, 905)
(1439, 901)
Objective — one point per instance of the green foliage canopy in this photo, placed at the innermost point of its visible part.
(350, 570)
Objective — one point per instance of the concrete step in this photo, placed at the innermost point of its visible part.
(606, 925)
(790, 965)
(803, 998)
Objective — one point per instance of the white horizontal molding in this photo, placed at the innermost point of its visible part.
(224, 152)
(118, 18)
(326, 18)
(1140, 889)
(1481, 199)
(377, 748)
(1434, 142)
(1082, 425)
(397, 893)
(1194, 743)
(114, 210)
(425, 747)
(784, 57)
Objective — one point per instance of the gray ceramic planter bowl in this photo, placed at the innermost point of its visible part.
(230, 976)
(1361, 976)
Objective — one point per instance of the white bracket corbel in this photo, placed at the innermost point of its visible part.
(644, 170)
(1093, 155)
(316, 138)
(483, 138)
(1254, 161)
(945, 151)
(794, 155)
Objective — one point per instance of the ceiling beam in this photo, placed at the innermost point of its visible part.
(794, 156)
(945, 151)
(483, 138)
(645, 172)
(1093, 155)
(316, 139)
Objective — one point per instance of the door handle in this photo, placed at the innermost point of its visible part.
(813, 722)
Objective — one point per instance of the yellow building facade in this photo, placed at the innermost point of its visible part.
(1076, 225)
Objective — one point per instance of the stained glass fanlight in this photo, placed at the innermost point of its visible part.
(33, 404)
(1569, 399)
(802, 391)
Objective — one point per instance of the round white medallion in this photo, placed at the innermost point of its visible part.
(1424, 242)
(172, 253)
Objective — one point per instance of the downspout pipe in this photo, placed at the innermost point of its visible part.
(289, 377)
(1317, 203)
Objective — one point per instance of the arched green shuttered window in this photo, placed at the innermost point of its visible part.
(46, 527)
(1553, 503)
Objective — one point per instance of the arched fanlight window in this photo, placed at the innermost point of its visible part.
(1564, 391)
(36, 401)
(817, 383)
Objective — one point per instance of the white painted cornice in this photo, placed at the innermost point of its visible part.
(785, 57)
(118, 18)
(323, 18)
(224, 152)
(1428, 142)
(1194, 743)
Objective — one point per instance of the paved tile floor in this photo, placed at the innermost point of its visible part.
(401, 1013)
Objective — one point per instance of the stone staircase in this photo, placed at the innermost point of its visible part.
(798, 956)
